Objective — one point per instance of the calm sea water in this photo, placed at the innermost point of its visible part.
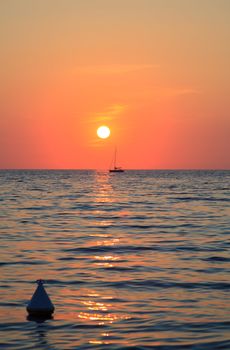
(138, 260)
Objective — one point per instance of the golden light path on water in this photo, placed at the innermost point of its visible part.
(97, 308)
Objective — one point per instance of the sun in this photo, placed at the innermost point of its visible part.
(103, 132)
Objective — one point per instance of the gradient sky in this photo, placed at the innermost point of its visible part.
(155, 71)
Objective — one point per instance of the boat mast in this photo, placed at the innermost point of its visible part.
(115, 157)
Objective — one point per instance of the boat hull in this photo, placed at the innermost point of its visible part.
(116, 170)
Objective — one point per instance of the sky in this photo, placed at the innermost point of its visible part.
(156, 72)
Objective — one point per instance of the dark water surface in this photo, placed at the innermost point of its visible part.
(138, 260)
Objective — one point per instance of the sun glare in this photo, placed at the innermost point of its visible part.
(103, 132)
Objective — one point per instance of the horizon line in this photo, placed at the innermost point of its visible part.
(126, 169)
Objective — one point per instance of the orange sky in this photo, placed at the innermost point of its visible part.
(155, 71)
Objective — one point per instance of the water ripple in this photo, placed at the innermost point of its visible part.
(138, 261)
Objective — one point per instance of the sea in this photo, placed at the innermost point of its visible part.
(133, 260)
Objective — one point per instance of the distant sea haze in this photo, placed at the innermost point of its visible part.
(134, 260)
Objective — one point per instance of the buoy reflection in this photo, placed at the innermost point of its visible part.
(39, 319)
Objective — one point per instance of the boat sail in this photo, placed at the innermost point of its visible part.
(116, 169)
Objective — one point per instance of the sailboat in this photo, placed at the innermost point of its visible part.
(116, 169)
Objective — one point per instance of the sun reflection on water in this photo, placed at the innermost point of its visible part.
(108, 242)
(100, 310)
(106, 260)
(103, 190)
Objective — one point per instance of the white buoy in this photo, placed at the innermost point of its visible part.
(40, 304)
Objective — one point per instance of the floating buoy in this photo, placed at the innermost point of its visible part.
(40, 304)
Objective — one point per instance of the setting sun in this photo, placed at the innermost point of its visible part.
(103, 132)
